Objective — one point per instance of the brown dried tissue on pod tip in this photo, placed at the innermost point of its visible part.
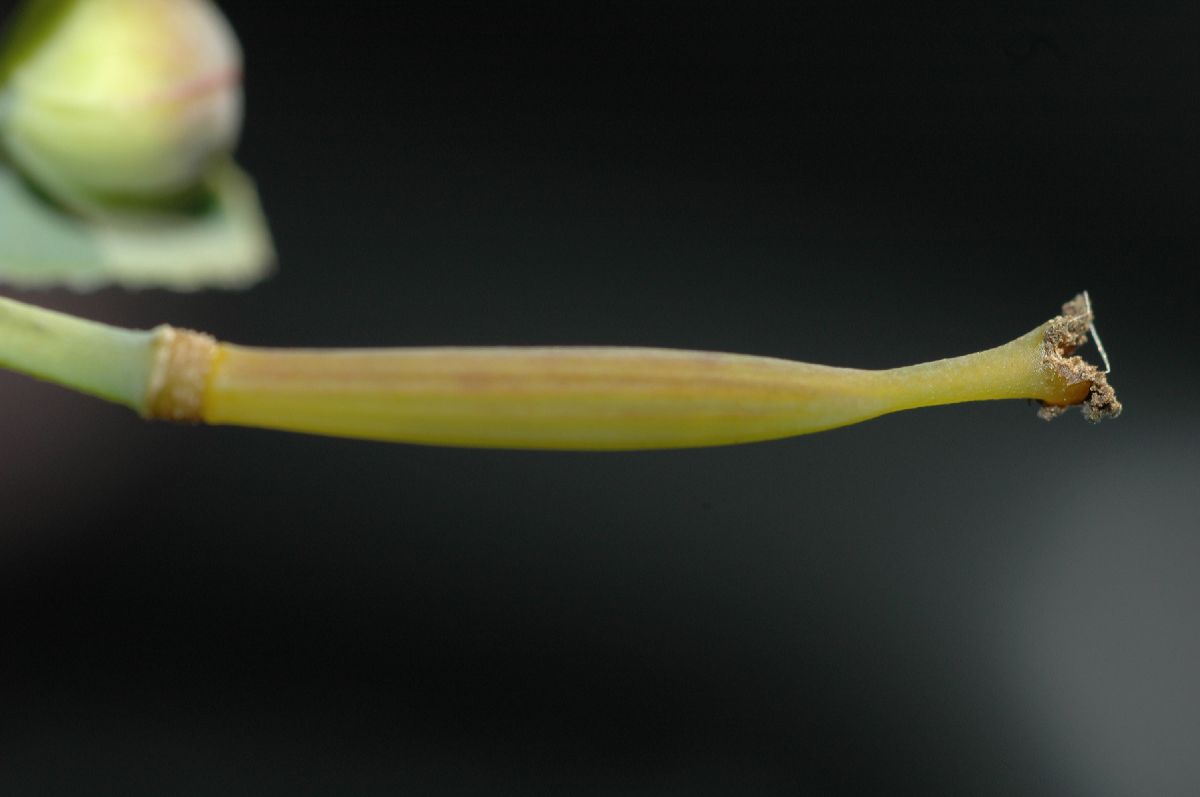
(1064, 334)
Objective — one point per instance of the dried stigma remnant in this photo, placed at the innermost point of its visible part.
(1064, 334)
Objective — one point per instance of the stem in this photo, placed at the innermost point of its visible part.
(101, 360)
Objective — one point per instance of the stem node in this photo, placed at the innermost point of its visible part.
(182, 360)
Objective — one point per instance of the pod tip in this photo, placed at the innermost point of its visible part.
(1064, 334)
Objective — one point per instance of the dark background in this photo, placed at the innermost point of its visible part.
(959, 600)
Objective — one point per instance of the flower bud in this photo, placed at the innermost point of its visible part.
(116, 102)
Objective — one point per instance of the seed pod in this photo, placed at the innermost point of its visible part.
(561, 398)
(107, 104)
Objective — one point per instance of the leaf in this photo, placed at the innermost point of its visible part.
(226, 245)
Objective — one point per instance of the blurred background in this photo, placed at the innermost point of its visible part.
(959, 600)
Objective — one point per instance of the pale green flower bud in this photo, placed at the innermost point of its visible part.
(107, 103)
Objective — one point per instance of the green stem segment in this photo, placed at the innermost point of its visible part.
(98, 359)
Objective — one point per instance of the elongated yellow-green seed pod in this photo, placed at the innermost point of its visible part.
(570, 397)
